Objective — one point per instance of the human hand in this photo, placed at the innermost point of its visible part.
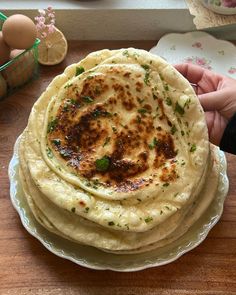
(217, 95)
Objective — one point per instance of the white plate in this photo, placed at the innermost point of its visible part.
(221, 9)
(91, 257)
(198, 48)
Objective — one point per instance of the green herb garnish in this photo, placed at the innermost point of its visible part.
(153, 144)
(111, 223)
(114, 129)
(107, 140)
(73, 209)
(142, 111)
(87, 99)
(49, 153)
(146, 78)
(56, 141)
(52, 125)
(148, 219)
(179, 109)
(86, 209)
(68, 85)
(65, 153)
(102, 164)
(168, 101)
(145, 67)
(193, 148)
(173, 129)
(166, 184)
(126, 53)
(166, 87)
(79, 70)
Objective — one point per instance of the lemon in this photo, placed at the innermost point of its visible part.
(52, 49)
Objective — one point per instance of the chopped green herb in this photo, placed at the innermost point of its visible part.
(154, 96)
(114, 129)
(142, 111)
(65, 153)
(87, 99)
(111, 223)
(127, 226)
(161, 77)
(73, 209)
(79, 70)
(126, 53)
(140, 100)
(102, 164)
(107, 140)
(187, 103)
(179, 109)
(168, 101)
(139, 200)
(52, 125)
(166, 87)
(153, 144)
(146, 78)
(68, 85)
(56, 141)
(193, 148)
(166, 184)
(182, 133)
(145, 67)
(173, 129)
(168, 208)
(161, 212)
(89, 77)
(49, 153)
(148, 219)
(86, 209)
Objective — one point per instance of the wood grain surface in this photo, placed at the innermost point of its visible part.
(26, 267)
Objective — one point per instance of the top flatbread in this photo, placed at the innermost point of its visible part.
(119, 139)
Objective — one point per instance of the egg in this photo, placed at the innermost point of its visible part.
(3, 86)
(19, 31)
(21, 70)
(4, 51)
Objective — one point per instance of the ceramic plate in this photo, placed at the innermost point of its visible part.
(198, 48)
(95, 259)
(226, 7)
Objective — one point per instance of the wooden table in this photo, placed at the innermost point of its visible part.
(26, 267)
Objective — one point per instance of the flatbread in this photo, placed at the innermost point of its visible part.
(116, 152)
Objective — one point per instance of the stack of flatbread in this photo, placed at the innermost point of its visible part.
(116, 153)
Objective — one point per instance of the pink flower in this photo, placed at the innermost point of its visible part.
(232, 70)
(45, 22)
(229, 3)
(41, 12)
(197, 45)
(200, 61)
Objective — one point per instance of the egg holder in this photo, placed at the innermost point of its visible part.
(19, 70)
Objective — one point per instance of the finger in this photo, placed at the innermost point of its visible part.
(212, 101)
(195, 74)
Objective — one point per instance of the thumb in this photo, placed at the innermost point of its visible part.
(213, 101)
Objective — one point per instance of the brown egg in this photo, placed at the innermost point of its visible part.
(21, 70)
(4, 51)
(3, 86)
(19, 31)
